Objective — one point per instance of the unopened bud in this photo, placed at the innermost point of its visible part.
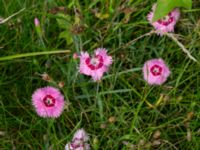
(75, 56)
(36, 22)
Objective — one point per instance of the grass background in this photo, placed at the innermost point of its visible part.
(114, 111)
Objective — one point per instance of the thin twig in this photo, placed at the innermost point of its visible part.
(134, 40)
(5, 20)
(181, 46)
(165, 141)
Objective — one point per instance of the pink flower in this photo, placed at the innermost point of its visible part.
(36, 22)
(95, 66)
(81, 134)
(79, 141)
(166, 24)
(48, 102)
(155, 71)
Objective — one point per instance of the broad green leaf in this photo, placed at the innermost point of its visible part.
(63, 21)
(165, 6)
(66, 35)
(187, 4)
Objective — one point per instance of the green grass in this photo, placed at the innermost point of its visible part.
(122, 93)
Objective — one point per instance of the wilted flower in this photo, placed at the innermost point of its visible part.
(48, 102)
(155, 71)
(61, 84)
(95, 66)
(79, 141)
(46, 77)
(166, 24)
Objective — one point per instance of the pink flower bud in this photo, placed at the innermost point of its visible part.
(75, 55)
(37, 22)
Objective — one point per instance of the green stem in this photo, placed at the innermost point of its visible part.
(32, 54)
(99, 102)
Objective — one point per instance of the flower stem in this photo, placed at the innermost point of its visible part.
(140, 37)
(99, 102)
(32, 54)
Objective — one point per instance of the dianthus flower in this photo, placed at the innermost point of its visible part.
(48, 102)
(96, 65)
(155, 71)
(166, 24)
(79, 141)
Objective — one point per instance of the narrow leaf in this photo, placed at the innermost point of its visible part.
(4, 58)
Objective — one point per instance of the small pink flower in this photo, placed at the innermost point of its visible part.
(166, 24)
(79, 141)
(95, 66)
(36, 22)
(155, 71)
(48, 102)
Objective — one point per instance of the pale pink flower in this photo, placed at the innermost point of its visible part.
(81, 134)
(155, 71)
(48, 102)
(95, 66)
(166, 24)
(79, 141)
(36, 22)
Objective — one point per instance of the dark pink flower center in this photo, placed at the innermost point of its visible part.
(49, 101)
(94, 63)
(156, 70)
(166, 20)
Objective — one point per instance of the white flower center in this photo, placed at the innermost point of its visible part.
(166, 18)
(94, 61)
(156, 70)
(49, 100)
